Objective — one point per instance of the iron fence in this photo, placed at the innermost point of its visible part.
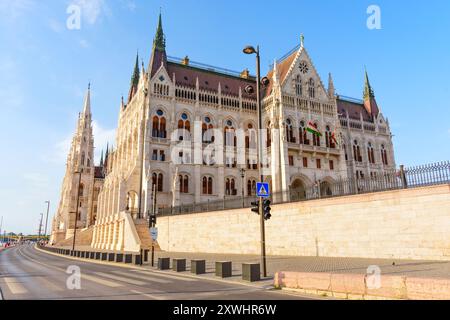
(404, 178)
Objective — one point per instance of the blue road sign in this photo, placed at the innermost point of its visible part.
(262, 190)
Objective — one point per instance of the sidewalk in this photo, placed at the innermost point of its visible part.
(411, 268)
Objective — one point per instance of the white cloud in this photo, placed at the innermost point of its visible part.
(91, 10)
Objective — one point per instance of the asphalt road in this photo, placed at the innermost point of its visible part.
(26, 273)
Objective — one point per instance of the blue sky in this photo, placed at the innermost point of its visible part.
(45, 69)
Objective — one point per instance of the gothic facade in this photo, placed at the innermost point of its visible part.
(187, 133)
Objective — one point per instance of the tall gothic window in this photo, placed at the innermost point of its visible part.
(184, 184)
(250, 137)
(230, 134)
(230, 187)
(184, 127)
(298, 86)
(384, 155)
(289, 131)
(357, 152)
(157, 179)
(312, 88)
(316, 138)
(370, 153)
(207, 130)
(159, 125)
(207, 183)
(303, 134)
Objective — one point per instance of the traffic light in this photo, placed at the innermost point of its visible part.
(255, 207)
(153, 220)
(267, 209)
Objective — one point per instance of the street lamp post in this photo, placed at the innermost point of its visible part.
(243, 186)
(40, 227)
(76, 212)
(252, 50)
(46, 218)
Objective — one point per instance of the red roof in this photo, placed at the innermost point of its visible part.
(353, 110)
(209, 80)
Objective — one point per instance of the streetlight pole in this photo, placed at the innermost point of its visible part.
(252, 50)
(46, 219)
(243, 186)
(76, 212)
(40, 227)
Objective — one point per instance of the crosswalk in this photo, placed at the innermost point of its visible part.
(111, 279)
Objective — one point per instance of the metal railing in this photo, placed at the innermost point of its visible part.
(405, 178)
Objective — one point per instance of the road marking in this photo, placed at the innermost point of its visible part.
(101, 281)
(83, 276)
(14, 286)
(166, 276)
(126, 280)
(153, 297)
(49, 284)
(136, 276)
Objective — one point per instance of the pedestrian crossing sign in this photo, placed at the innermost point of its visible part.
(262, 190)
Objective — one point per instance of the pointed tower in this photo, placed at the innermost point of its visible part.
(331, 89)
(78, 180)
(134, 79)
(369, 98)
(158, 56)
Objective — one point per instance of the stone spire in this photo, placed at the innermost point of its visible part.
(368, 91)
(136, 72)
(160, 40)
(134, 79)
(158, 57)
(101, 160)
(369, 98)
(331, 89)
(87, 102)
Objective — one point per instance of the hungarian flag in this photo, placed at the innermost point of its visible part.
(313, 129)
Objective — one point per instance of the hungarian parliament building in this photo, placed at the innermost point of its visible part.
(187, 135)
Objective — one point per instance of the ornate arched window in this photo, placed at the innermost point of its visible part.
(159, 125)
(357, 151)
(230, 187)
(370, 153)
(329, 138)
(312, 88)
(207, 130)
(384, 155)
(157, 179)
(303, 134)
(184, 127)
(207, 183)
(316, 138)
(251, 187)
(184, 183)
(289, 131)
(230, 134)
(250, 137)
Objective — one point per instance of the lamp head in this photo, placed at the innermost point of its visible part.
(265, 81)
(249, 89)
(249, 50)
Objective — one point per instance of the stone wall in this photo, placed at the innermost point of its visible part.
(402, 224)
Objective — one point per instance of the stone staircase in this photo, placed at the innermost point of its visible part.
(83, 238)
(144, 235)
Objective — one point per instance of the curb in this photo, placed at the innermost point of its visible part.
(136, 267)
(362, 287)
